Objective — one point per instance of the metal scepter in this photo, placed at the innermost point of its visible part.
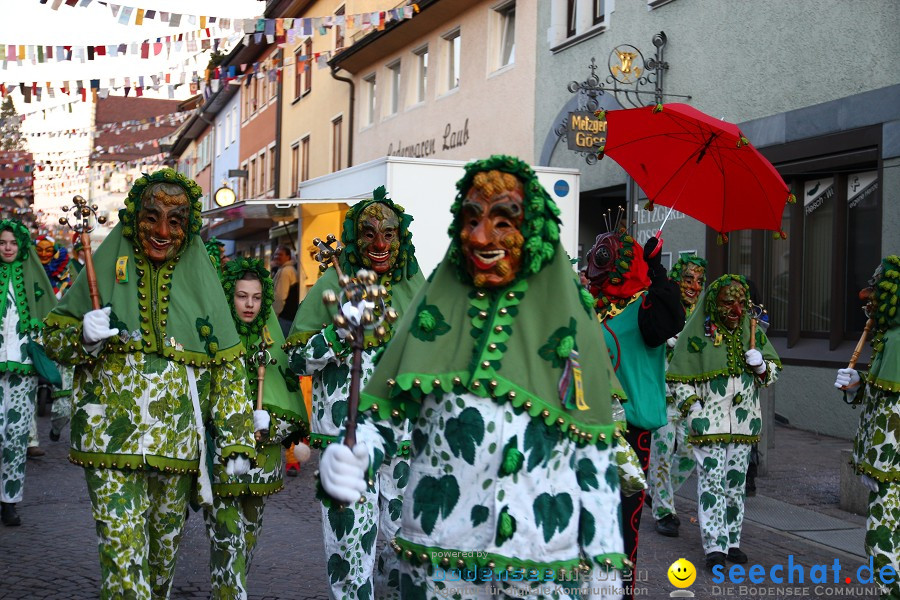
(358, 292)
(81, 213)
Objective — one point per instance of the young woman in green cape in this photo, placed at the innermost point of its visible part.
(27, 297)
(235, 518)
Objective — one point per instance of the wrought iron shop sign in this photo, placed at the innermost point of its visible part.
(586, 133)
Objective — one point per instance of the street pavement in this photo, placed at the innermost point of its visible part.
(53, 555)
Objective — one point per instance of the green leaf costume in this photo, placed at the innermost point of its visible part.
(493, 441)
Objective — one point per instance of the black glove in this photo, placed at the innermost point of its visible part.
(653, 258)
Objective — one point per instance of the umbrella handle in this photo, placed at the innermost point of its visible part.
(659, 244)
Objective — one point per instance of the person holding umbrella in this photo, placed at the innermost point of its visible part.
(671, 456)
(875, 451)
(27, 298)
(154, 367)
(235, 519)
(720, 363)
(639, 308)
(375, 236)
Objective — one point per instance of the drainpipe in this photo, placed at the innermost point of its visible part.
(349, 81)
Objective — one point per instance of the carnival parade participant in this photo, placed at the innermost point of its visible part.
(875, 451)
(27, 298)
(235, 519)
(720, 363)
(671, 456)
(639, 309)
(76, 262)
(156, 365)
(216, 251)
(55, 258)
(502, 369)
(376, 236)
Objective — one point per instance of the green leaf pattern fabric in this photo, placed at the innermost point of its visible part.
(720, 511)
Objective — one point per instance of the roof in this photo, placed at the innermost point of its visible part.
(115, 109)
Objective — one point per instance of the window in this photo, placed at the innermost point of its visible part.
(272, 165)
(507, 38)
(371, 91)
(452, 48)
(304, 159)
(421, 73)
(307, 66)
(227, 130)
(234, 123)
(338, 29)
(336, 139)
(809, 282)
(571, 17)
(245, 181)
(219, 136)
(394, 82)
(295, 168)
(253, 179)
(298, 72)
(598, 11)
(261, 175)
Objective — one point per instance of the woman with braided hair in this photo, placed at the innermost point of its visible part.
(27, 297)
(235, 518)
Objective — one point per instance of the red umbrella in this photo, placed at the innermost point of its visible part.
(704, 167)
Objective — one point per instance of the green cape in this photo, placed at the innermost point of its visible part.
(189, 322)
(696, 358)
(33, 291)
(884, 372)
(511, 344)
(281, 389)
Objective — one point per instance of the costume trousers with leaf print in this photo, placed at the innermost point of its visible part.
(139, 516)
(17, 398)
(233, 525)
(351, 536)
(883, 532)
(721, 470)
(671, 461)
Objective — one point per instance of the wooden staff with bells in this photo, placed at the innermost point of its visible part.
(261, 357)
(362, 307)
(81, 213)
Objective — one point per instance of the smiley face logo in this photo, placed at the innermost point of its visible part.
(682, 573)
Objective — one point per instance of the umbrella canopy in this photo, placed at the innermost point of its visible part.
(684, 159)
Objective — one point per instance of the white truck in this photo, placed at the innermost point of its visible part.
(426, 189)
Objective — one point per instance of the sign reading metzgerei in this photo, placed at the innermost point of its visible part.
(586, 133)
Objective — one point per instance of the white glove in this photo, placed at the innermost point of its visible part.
(301, 452)
(343, 471)
(846, 378)
(754, 360)
(695, 409)
(261, 420)
(672, 341)
(868, 481)
(239, 465)
(95, 327)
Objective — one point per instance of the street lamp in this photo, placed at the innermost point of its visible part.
(224, 196)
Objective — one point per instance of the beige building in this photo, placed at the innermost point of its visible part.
(447, 84)
(314, 115)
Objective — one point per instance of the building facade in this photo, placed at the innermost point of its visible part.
(831, 128)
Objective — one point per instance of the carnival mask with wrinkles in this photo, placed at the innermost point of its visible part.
(601, 258)
(162, 225)
(867, 294)
(691, 284)
(45, 251)
(378, 232)
(490, 237)
(730, 305)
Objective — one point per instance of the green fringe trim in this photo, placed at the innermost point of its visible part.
(235, 449)
(705, 377)
(431, 557)
(410, 388)
(723, 438)
(687, 404)
(17, 367)
(885, 385)
(299, 338)
(61, 394)
(185, 357)
(876, 474)
(136, 462)
(247, 489)
(322, 441)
